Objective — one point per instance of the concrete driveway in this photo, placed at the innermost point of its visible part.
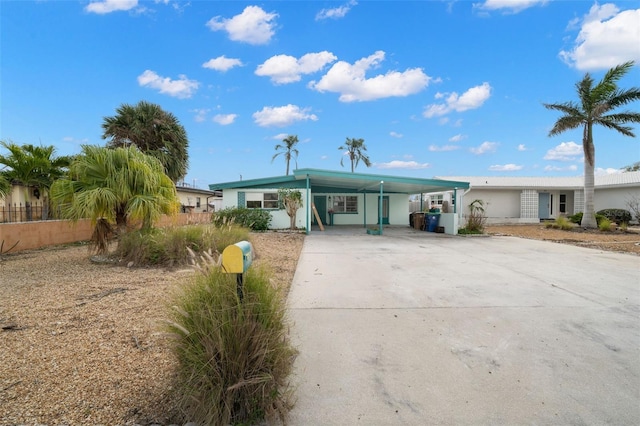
(414, 328)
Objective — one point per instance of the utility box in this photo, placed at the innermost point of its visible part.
(237, 258)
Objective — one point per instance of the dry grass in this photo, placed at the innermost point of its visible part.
(81, 343)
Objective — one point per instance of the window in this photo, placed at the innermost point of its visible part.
(563, 203)
(197, 202)
(262, 200)
(437, 199)
(345, 204)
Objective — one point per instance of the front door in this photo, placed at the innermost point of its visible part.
(320, 202)
(544, 205)
(385, 210)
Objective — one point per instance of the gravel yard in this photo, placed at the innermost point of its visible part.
(82, 343)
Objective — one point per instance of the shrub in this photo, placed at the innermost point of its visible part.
(604, 225)
(467, 231)
(616, 215)
(234, 357)
(476, 219)
(560, 223)
(254, 219)
(577, 218)
(168, 246)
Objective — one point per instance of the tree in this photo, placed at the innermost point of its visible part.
(5, 187)
(291, 200)
(154, 131)
(356, 150)
(34, 168)
(595, 107)
(287, 150)
(115, 187)
(632, 167)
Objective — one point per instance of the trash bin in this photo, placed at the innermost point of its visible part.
(432, 221)
(418, 221)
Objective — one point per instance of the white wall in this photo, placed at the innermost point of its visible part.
(279, 218)
(614, 198)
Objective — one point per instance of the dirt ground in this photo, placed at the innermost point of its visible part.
(83, 344)
(618, 241)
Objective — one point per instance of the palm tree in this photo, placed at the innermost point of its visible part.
(115, 187)
(154, 131)
(356, 150)
(34, 168)
(288, 150)
(595, 107)
(5, 187)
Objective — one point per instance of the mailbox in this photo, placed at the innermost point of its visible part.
(237, 258)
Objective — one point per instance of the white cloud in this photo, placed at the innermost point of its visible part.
(571, 168)
(505, 167)
(282, 116)
(280, 136)
(510, 6)
(566, 151)
(222, 63)
(350, 80)
(397, 164)
(607, 38)
(107, 6)
(284, 69)
(395, 134)
(225, 119)
(443, 148)
(485, 147)
(181, 88)
(201, 114)
(522, 147)
(608, 171)
(336, 12)
(253, 25)
(457, 138)
(471, 99)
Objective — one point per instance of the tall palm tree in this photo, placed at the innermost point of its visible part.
(287, 150)
(115, 187)
(34, 168)
(356, 150)
(5, 187)
(596, 106)
(154, 131)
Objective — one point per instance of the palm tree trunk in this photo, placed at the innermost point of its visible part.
(589, 215)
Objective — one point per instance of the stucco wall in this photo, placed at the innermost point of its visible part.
(615, 198)
(33, 235)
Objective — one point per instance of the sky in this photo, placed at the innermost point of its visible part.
(435, 88)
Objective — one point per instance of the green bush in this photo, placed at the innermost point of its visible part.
(616, 215)
(254, 219)
(605, 225)
(577, 218)
(168, 246)
(560, 223)
(467, 231)
(234, 357)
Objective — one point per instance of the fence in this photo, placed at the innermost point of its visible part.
(19, 212)
(37, 234)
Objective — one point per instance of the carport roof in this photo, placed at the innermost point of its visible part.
(334, 181)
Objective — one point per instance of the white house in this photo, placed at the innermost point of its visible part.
(531, 199)
(197, 200)
(339, 198)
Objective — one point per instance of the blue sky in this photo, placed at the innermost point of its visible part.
(435, 88)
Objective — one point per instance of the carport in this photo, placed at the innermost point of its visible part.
(379, 193)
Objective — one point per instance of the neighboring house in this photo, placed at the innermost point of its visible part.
(13, 207)
(198, 200)
(340, 198)
(532, 199)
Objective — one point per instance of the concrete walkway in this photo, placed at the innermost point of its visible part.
(414, 328)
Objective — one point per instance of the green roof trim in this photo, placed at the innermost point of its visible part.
(336, 181)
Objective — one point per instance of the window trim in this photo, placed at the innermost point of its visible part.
(336, 208)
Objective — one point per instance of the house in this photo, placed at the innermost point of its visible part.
(532, 199)
(23, 203)
(195, 200)
(339, 198)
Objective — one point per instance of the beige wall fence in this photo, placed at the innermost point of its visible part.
(37, 234)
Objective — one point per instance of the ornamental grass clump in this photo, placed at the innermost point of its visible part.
(560, 223)
(168, 246)
(234, 357)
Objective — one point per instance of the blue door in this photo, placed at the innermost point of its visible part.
(321, 205)
(544, 205)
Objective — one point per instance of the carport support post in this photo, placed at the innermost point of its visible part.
(308, 207)
(365, 209)
(380, 209)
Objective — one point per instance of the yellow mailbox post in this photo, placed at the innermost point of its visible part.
(236, 259)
